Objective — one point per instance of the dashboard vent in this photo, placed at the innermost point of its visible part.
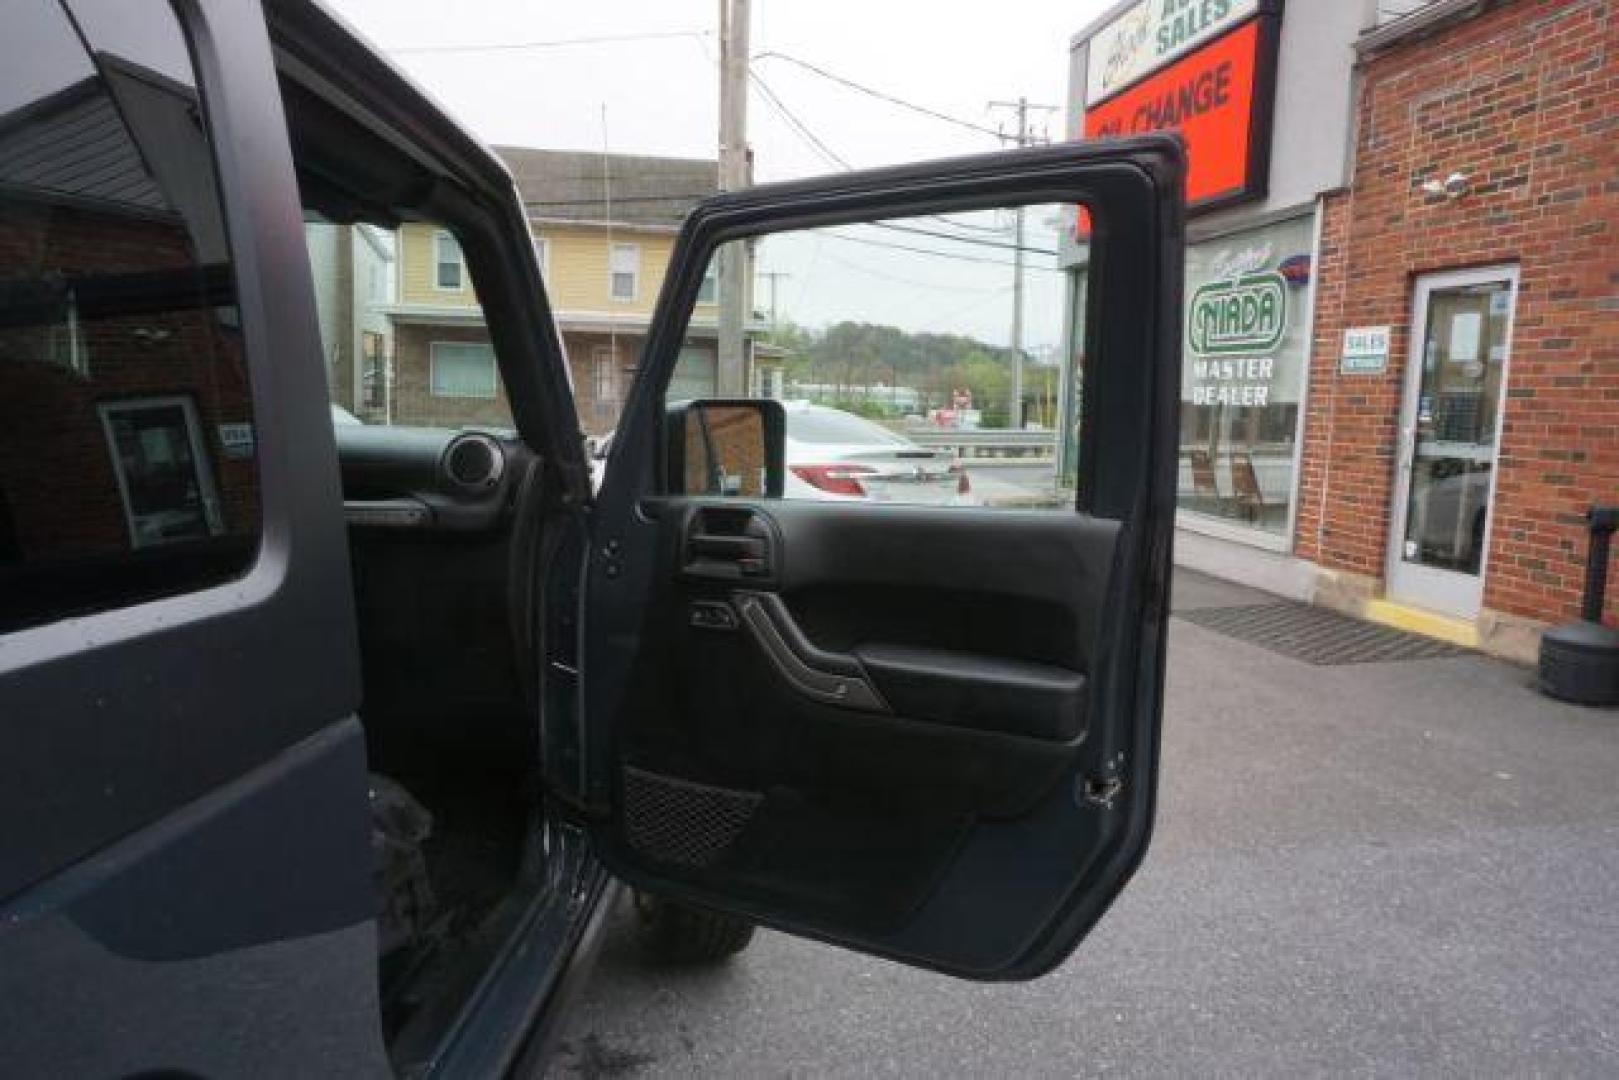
(473, 462)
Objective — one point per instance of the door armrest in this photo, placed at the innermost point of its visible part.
(986, 693)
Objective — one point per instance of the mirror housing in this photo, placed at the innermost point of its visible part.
(726, 446)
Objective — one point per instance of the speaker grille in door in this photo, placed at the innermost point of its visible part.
(680, 822)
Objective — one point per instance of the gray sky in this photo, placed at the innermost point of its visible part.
(660, 96)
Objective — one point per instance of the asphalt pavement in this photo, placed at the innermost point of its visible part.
(1371, 869)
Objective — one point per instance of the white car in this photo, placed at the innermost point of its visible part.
(832, 454)
(836, 455)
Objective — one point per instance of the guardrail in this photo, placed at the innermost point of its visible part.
(977, 443)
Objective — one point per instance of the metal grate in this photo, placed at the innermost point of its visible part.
(682, 822)
(1318, 635)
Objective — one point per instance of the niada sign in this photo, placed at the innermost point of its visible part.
(1151, 34)
(1240, 316)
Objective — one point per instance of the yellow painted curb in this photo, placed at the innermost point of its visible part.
(1417, 621)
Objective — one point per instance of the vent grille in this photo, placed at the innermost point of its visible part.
(474, 461)
(681, 822)
(1317, 635)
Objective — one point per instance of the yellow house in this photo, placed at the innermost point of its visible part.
(604, 227)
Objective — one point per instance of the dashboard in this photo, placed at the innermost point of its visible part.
(428, 478)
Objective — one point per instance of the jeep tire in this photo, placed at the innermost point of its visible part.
(676, 933)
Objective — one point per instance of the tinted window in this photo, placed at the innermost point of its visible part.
(126, 427)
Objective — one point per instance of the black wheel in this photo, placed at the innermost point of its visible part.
(677, 933)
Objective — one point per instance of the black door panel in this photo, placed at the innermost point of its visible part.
(868, 700)
(926, 732)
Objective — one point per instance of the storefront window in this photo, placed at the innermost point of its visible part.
(1242, 378)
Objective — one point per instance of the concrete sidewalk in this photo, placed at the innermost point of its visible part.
(1381, 868)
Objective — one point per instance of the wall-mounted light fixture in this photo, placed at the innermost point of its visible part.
(1451, 187)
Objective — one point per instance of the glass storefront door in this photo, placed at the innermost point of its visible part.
(1455, 387)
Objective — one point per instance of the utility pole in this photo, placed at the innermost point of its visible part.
(1021, 137)
(736, 172)
(774, 276)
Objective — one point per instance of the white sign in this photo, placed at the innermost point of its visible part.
(1366, 351)
(1465, 328)
(236, 440)
(1151, 34)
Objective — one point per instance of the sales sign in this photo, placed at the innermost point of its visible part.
(1366, 351)
(1153, 33)
(236, 440)
(1211, 97)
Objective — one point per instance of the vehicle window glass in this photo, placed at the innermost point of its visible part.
(127, 440)
(401, 328)
(924, 359)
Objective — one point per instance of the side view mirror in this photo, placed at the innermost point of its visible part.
(731, 446)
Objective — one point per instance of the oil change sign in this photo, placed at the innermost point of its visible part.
(1211, 96)
(1234, 329)
(1151, 34)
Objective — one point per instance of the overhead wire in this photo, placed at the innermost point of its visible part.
(880, 95)
(819, 145)
(554, 43)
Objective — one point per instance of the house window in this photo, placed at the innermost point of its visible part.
(448, 269)
(709, 290)
(624, 269)
(463, 369)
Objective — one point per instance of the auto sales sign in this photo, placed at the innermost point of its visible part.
(1152, 33)
(1205, 69)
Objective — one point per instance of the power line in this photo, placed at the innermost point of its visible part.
(798, 126)
(1002, 245)
(925, 251)
(900, 279)
(555, 43)
(878, 94)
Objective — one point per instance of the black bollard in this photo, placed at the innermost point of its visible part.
(1579, 661)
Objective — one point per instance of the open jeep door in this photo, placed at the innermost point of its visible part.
(924, 731)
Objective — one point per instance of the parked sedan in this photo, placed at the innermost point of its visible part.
(836, 455)
(832, 454)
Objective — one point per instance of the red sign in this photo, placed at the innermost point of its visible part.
(1209, 97)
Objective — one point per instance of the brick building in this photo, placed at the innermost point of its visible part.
(1446, 485)
(1417, 433)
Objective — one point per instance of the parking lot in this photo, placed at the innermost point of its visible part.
(1372, 868)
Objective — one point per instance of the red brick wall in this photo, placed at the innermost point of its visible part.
(1524, 99)
(415, 405)
(600, 417)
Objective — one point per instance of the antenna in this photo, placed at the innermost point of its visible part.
(607, 209)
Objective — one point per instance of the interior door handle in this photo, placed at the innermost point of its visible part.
(826, 677)
(726, 556)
